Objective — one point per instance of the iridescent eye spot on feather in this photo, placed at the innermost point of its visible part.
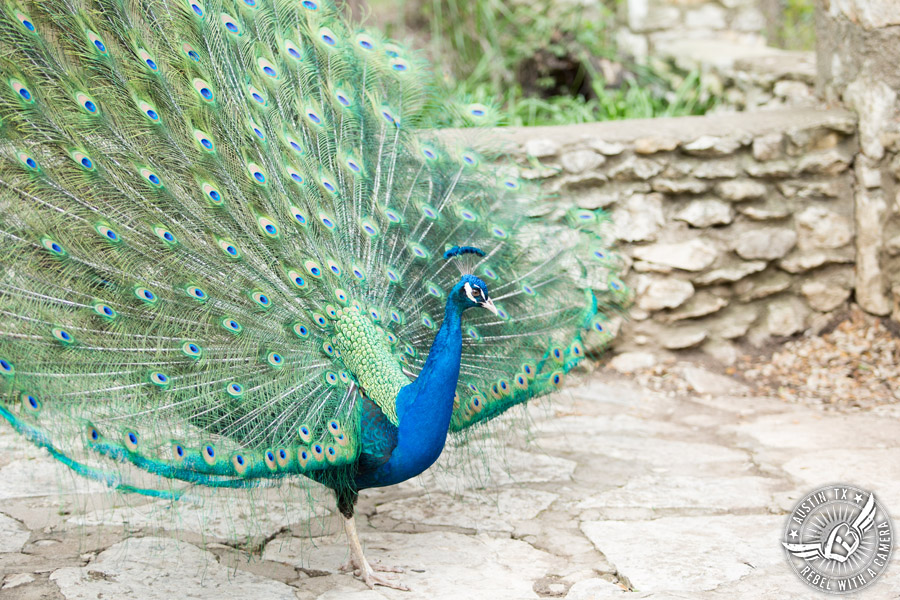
(192, 350)
(97, 43)
(178, 451)
(27, 161)
(499, 232)
(317, 451)
(341, 296)
(310, 5)
(477, 110)
(320, 320)
(205, 141)
(299, 216)
(83, 160)
(556, 353)
(53, 247)
(331, 311)
(391, 338)
(239, 462)
(392, 50)
(327, 221)
(269, 458)
(267, 68)
(203, 89)
(468, 215)
(196, 293)
(159, 379)
(209, 454)
(365, 41)
(434, 289)
(334, 268)
(392, 275)
(370, 228)
(292, 50)
(520, 381)
(488, 272)
(616, 284)
(268, 227)
(107, 233)
(343, 98)
(429, 153)
(86, 103)
(281, 457)
(294, 144)
(257, 174)
(212, 194)
(231, 326)
(7, 369)
(476, 404)
(419, 251)
(313, 268)
(388, 115)
(305, 433)
(529, 369)
(146, 296)
(30, 402)
(331, 378)
(353, 165)
(294, 174)
(393, 216)
(300, 330)
(344, 377)
(470, 158)
(105, 311)
(527, 289)
(25, 20)
(234, 389)
(190, 52)
(328, 36)
(229, 248)
(131, 441)
(197, 8)
(399, 65)
(556, 378)
(274, 360)
(231, 25)
(150, 177)
(92, 433)
(375, 314)
(149, 111)
(473, 333)
(62, 336)
(258, 131)
(427, 322)
(147, 60)
(396, 316)
(313, 116)
(22, 91)
(410, 351)
(327, 348)
(576, 349)
(296, 279)
(261, 299)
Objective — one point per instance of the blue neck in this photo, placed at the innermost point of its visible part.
(424, 407)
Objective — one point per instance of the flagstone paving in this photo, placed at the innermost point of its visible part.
(616, 491)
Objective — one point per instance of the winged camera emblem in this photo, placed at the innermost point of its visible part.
(842, 542)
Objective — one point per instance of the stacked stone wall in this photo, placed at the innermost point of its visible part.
(734, 228)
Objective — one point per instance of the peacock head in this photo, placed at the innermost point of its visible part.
(470, 292)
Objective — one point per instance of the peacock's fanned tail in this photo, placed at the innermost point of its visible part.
(192, 193)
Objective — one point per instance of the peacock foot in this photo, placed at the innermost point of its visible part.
(368, 574)
(361, 567)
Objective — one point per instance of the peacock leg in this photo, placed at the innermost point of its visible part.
(361, 567)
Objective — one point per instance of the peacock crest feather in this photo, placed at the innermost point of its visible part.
(222, 229)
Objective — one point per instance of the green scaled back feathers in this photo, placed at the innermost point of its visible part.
(203, 201)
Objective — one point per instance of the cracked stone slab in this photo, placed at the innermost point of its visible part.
(484, 511)
(439, 565)
(661, 452)
(816, 430)
(459, 471)
(160, 569)
(662, 491)
(43, 477)
(12, 535)
(877, 470)
(688, 553)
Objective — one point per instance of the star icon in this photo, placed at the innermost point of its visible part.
(857, 498)
(793, 534)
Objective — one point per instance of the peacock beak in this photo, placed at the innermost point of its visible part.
(489, 304)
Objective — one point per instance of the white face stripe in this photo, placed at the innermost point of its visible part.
(469, 292)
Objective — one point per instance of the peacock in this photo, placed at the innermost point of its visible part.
(233, 253)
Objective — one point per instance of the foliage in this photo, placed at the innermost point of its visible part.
(542, 63)
(798, 25)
